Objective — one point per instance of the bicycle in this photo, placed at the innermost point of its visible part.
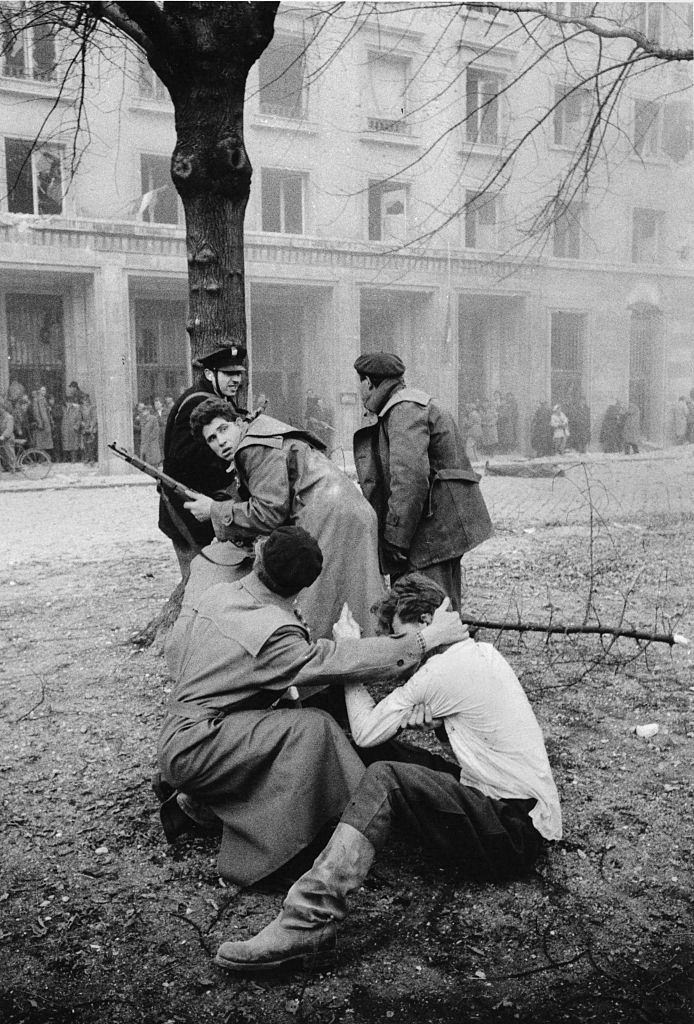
(31, 462)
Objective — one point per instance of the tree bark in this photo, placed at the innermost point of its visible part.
(210, 167)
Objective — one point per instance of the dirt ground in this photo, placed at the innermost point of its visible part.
(102, 921)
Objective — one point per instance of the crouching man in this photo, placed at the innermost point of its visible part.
(491, 824)
(234, 740)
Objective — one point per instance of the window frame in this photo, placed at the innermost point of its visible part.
(377, 189)
(34, 153)
(27, 36)
(284, 174)
(569, 137)
(658, 222)
(157, 91)
(652, 137)
(474, 130)
(375, 122)
(285, 39)
(180, 217)
(472, 210)
(573, 217)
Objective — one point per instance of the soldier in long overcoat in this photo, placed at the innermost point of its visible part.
(284, 476)
(42, 429)
(71, 426)
(275, 776)
(188, 459)
(413, 470)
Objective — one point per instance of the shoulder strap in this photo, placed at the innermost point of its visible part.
(188, 398)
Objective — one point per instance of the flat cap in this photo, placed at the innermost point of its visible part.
(229, 357)
(291, 558)
(379, 365)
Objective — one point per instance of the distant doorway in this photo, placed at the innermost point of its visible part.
(645, 336)
(568, 332)
(36, 342)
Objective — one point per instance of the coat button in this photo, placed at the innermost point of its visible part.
(400, 663)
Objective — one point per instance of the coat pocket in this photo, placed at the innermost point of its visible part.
(455, 518)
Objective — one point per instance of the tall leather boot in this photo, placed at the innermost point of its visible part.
(306, 925)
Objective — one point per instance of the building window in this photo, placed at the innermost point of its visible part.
(387, 101)
(161, 348)
(282, 202)
(159, 203)
(481, 221)
(28, 52)
(646, 125)
(281, 72)
(387, 211)
(482, 90)
(648, 19)
(568, 10)
(567, 348)
(35, 341)
(149, 85)
(567, 231)
(34, 178)
(570, 115)
(677, 130)
(645, 237)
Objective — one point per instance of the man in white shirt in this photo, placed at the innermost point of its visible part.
(491, 824)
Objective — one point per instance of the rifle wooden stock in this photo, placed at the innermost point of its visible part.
(164, 479)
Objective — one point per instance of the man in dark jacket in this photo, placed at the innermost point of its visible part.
(189, 460)
(413, 469)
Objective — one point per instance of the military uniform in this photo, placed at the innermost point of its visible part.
(412, 468)
(191, 462)
(276, 776)
(288, 480)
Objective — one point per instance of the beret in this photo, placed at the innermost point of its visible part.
(291, 558)
(229, 357)
(379, 365)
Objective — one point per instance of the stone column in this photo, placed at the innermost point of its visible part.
(346, 348)
(112, 358)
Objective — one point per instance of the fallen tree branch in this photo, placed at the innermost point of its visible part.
(565, 630)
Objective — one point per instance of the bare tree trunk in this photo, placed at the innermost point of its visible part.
(212, 174)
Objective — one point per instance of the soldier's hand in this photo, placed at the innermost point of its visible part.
(445, 627)
(201, 508)
(346, 627)
(398, 557)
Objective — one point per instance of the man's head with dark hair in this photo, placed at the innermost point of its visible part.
(288, 560)
(216, 423)
(207, 411)
(413, 599)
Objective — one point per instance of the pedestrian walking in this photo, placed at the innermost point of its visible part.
(560, 429)
(72, 424)
(42, 428)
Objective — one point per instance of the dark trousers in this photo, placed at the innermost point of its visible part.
(446, 574)
(484, 838)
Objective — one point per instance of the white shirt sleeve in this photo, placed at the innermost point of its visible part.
(372, 723)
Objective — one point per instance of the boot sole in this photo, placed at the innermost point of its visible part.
(309, 961)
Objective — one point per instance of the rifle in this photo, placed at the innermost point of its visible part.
(163, 478)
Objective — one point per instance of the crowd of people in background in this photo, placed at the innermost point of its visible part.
(149, 426)
(65, 428)
(490, 426)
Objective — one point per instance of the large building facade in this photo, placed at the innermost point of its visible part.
(371, 226)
